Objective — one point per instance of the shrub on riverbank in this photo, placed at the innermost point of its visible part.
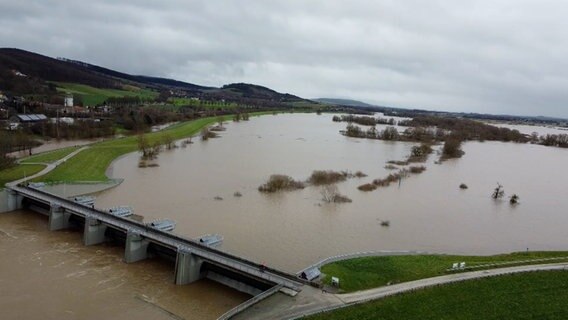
(398, 162)
(206, 134)
(321, 177)
(393, 177)
(278, 182)
(420, 153)
(359, 174)
(452, 148)
(417, 169)
(367, 187)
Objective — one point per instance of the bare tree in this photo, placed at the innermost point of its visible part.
(498, 192)
(329, 193)
(143, 145)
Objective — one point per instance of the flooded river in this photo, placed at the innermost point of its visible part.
(51, 275)
(289, 230)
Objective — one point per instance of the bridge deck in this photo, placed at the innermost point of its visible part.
(167, 239)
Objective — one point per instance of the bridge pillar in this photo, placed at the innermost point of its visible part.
(136, 247)
(188, 267)
(14, 200)
(58, 218)
(94, 232)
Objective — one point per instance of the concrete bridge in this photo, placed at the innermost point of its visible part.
(193, 260)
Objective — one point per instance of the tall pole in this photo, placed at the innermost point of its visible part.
(57, 124)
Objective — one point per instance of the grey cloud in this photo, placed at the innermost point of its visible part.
(500, 56)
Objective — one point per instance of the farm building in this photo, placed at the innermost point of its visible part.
(26, 120)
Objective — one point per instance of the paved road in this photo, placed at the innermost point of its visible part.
(314, 301)
(48, 168)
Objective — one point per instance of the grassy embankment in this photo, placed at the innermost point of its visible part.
(535, 295)
(371, 272)
(19, 172)
(93, 96)
(49, 156)
(91, 164)
(29, 166)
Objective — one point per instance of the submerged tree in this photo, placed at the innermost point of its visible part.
(514, 199)
(143, 145)
(168, 141)
(498, 192)
(452, 148)
(330, 194)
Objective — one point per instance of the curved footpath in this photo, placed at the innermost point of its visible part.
(48, 168)
(312, 301)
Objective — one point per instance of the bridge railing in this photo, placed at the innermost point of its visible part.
(249, 303)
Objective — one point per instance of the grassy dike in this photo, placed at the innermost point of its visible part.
(19, 172)
(49, 156)
(91, 164)
(371, 272)
(534, 295)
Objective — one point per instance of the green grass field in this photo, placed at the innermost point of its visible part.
(535, 295)
(49, 156)
(93, 96)
(19, 172)
(371, 272)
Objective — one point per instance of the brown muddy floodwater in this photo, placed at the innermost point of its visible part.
(291, 230)
(60, 278)
(51, 275)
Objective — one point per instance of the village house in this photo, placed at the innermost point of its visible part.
(20, 120)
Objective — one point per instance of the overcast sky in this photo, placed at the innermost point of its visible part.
(498, 56)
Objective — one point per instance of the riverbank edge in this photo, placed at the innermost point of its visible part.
(127, 149)
(382, 293)
(357, 261)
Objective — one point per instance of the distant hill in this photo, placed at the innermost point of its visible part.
(23, 73)
(343, 102)
(253, 91)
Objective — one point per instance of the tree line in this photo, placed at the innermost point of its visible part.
(12, 142)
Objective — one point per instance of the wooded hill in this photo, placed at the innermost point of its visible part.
(27, 73)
